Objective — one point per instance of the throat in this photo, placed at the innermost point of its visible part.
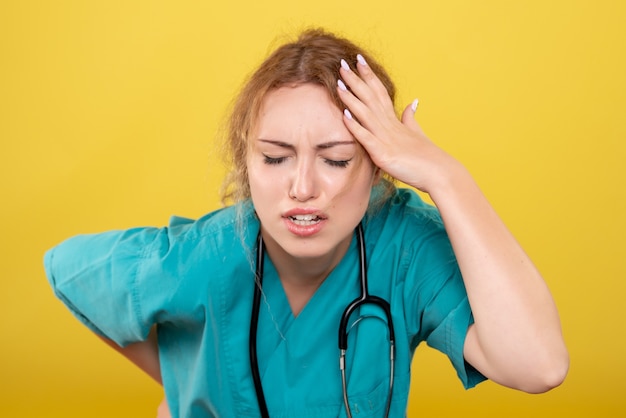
(301, 280)
(299, 293)
(301, 277)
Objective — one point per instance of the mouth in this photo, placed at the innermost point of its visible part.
(304, 222)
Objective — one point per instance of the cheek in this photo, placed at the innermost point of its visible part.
(264, 184)
(357, 194)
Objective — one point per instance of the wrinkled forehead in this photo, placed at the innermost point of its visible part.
(303, 108)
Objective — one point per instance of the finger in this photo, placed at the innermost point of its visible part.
(359, 132)
(371, 79)
(408, 117)
(366, 139)
(360, 110)
(372, 93)
(357, 86)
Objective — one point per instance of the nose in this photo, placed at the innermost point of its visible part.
(303, 183)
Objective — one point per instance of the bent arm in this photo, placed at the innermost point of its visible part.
(144, 354)
(516, 339)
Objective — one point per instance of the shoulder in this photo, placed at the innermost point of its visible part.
(404, 211)
(227, 231)
(182, 240)
(409, 233)
(225, 223)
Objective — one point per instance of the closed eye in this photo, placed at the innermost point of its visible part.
(337, 163)
(273, 160)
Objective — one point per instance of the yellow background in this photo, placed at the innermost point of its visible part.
(108, 110)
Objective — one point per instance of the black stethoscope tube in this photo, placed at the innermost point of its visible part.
(364, 299)
(254, 321)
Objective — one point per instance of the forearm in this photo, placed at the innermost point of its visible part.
(516, 339)
(144, 354)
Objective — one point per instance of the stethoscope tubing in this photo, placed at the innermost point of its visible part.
(363, 299)
(254, 321)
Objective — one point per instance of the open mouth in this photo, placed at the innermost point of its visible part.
(305, 220)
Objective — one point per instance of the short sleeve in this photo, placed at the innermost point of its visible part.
(96, 276)
(449, 338)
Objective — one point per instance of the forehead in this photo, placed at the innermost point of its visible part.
(300, 109)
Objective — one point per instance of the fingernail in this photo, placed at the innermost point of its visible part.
(341, 85)
(414, 105)
(360, 59)
(347, 113)
(345, 65)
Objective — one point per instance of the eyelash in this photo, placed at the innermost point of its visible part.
(272, 161)
(333, 163)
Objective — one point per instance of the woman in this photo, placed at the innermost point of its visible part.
(314, 140)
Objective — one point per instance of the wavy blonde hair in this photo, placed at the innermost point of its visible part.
(314, 57)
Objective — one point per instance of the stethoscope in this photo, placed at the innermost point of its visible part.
(363, 299)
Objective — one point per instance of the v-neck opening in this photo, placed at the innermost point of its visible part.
(319, 292)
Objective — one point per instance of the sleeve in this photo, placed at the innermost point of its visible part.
(437, 294)
(96, 277)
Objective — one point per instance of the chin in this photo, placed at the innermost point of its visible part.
(307, 251)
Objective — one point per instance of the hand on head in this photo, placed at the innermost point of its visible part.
(397, 146)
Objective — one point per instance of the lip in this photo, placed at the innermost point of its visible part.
(304, 211)
(304, 230)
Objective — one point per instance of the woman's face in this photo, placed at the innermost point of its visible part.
(308, 187)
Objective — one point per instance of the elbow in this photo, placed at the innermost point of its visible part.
(556, 375)
(547, 375)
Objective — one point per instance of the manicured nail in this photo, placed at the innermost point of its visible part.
(345, 65)
(341, 85)
(360, 59)
(347, 113)
(414, 105)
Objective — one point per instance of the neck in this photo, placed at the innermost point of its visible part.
(302, 276)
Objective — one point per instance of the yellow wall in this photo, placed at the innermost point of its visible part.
(107, 114)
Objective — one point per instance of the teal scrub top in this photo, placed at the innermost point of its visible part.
(195, 281)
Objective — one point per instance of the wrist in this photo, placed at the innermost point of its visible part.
(447, 179)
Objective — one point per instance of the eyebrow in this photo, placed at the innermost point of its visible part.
(325, 145)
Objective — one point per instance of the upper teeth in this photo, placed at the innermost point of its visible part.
(304, 217)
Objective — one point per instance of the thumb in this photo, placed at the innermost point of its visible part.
(408, 117)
